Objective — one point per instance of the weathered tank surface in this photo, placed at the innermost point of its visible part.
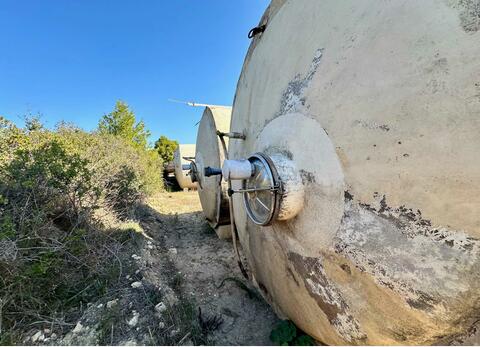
(210, 153)
(377, 105)
(182, 165)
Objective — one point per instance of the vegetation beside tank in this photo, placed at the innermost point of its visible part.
(67, 201)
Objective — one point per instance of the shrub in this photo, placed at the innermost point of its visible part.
(55, 252)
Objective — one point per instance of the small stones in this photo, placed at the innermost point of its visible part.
(172, 251)
(161, 325)
(132, 322)
(78, 328)
(137, 284)
(38, 336)
(112, 303)
(136, 257)
(160, 307)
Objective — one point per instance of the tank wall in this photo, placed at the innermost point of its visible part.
(395, 88)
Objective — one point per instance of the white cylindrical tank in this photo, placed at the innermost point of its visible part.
(182, 165)
(373, 107)
(210, 153)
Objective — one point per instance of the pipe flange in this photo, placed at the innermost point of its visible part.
(262, 200)
(274, 191)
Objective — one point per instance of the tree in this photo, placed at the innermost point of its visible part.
(33, 123)
(121, 122)
(165, 148)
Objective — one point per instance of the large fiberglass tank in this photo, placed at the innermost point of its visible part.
(211, 153)
(182, 158)
(361, 222)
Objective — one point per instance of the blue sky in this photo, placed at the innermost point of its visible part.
(72, 59)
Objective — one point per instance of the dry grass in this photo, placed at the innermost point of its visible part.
(176, 202)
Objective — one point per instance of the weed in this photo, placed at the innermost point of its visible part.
(109, 320)
(287, 334)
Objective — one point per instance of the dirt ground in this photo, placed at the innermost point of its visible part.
(203, 262)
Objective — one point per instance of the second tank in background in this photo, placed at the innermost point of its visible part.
(210, 153)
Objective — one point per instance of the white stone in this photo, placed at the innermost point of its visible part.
(134, 320)
(161, 325)
(172, 251)
(137, 284)
(160, 307)
(36, 336)
(112, 303)
(78, 328)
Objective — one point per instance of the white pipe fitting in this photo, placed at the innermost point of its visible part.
(236, 169)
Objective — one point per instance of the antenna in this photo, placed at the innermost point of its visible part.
(194, 104)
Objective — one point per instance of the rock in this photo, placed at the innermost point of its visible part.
(136, 257)
(161, 325)
(174, 332)
(47, 331)
(137, 284)
(137, 272)
(134, 320)
(100, 306)
(160, 307)
(53, 336)
(172, 251)
(112, 303)
(78, 328)
(38, 336)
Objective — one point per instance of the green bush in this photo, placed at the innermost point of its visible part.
(55, 252)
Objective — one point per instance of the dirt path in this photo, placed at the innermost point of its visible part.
(199, 262)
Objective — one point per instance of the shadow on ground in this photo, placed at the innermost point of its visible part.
(201, 272)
